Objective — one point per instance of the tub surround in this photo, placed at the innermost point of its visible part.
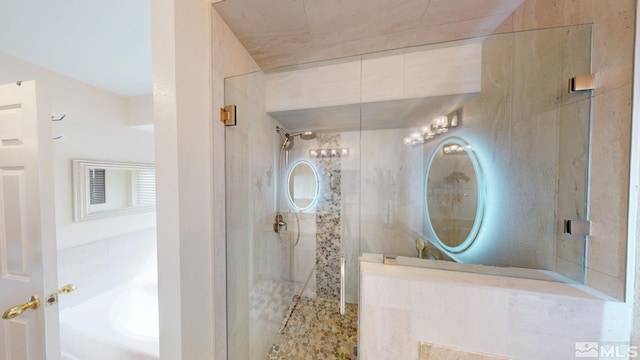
(113, 313)
(101, 266)
(119, 324)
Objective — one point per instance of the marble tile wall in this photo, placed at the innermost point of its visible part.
(507, 317)
(438, 71)
(330, 30)
(392, 193)
(611, 113)
(547, 122)
(100, 266)
(525, 132)
(521, 107)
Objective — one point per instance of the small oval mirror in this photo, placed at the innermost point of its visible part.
(454, 198)
(302, 185)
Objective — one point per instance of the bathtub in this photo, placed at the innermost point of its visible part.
(119, 324)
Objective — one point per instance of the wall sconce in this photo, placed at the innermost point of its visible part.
(438, 126)
(329, 153)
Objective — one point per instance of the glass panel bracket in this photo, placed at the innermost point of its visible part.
(577, 227)
(580, 83)
(228, 115)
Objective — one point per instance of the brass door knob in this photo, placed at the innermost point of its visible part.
(33, 303)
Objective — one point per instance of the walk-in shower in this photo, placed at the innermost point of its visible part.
(375, 193)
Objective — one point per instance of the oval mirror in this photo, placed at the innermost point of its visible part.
(302, 185)
(454, 195)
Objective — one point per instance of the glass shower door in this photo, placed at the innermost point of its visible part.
(293, 203)
(258, 291)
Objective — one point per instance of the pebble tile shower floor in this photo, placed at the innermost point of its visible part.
(316, 330)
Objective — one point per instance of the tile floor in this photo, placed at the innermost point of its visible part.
(316, 330)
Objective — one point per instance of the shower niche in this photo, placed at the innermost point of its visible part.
(501, 202)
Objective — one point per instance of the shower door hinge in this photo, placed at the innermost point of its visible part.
(228, 115)
(584, 82)
(577, 227)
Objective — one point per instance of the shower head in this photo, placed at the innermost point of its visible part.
(306, 135)
(288, 138)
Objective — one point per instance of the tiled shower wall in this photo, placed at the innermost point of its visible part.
(330, 230)
(613, 45)
(530, 136)
(518, 121)
(329, 220)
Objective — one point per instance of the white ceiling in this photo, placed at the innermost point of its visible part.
(108, 44)
(103, 43)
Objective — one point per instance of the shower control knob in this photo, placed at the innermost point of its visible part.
(278, 223)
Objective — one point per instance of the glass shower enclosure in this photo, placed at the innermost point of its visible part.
(456, 155)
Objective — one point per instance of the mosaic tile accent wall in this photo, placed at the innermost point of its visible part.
(328, 220)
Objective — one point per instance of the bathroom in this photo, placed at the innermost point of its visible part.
(612, 91)
(196, 265)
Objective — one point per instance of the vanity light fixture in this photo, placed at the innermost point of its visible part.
(437, 126)
(453, 149)
(329, 152)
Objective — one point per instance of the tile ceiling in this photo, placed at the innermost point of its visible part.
(285, 32)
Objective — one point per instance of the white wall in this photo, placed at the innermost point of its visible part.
(95, 128)
(193, 51)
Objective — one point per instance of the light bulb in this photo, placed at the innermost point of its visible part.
(454, 121)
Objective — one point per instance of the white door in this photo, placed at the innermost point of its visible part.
(27, 224)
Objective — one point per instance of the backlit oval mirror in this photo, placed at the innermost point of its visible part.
(302, 185)
(454, 195)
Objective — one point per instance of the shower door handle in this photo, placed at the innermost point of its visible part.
(342, 283)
